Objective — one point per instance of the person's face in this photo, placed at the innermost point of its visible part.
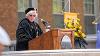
(32, 16)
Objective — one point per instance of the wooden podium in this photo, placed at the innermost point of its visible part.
(51, 40)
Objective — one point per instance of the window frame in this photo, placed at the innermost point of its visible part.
(62, 7)
(92, 12)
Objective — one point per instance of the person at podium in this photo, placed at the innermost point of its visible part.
(27, 29)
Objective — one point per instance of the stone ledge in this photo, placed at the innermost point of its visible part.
(82, 52)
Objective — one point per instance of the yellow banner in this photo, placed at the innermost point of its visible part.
(69, 15)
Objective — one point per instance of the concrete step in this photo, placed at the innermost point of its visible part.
(64, 52)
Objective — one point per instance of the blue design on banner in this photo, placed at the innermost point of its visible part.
(98, 36)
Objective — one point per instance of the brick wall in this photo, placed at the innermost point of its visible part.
(45, 10)
(8, 16)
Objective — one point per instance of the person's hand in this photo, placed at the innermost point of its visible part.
(37, 36)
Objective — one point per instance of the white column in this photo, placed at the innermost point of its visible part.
(35, 3)
(97, 8)
(67, 5)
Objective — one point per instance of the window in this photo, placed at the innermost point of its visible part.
(60, 6)
(22, 5)
(89, 17)
(89, 7)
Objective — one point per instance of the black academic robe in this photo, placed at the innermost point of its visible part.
(25, 32)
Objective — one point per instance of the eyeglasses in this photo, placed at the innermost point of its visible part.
(32, 15)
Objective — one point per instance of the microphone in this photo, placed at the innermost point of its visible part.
(97, 20)
(46, 24)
